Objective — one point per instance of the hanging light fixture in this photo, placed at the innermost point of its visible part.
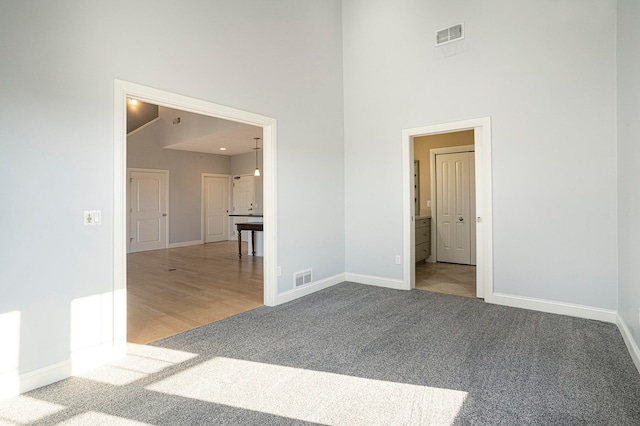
(257, 172)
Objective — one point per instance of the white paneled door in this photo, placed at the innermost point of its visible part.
(216, 208)
(243, 200)
(148, 210)
(455, 186)
(243, 194)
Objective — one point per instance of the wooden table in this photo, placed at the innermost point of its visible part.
(253, 227)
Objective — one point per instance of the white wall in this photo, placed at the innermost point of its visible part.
(628, 161)
(545, 72)
(185, 177)
(280, 58)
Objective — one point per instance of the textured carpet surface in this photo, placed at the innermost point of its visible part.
(355, 354)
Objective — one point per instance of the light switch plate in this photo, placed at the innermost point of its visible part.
(92, 217)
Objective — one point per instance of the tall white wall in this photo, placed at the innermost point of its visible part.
(628, 161)
(185, 177)
(545, 73)
(280, 58)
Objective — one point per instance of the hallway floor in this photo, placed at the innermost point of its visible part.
(449, 278)
(174, 290)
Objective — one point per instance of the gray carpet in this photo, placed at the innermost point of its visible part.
(355, 354)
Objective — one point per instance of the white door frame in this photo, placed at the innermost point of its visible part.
(123, 90)
(434, 199)
(484, 197)
(203, 214)
(128, 206)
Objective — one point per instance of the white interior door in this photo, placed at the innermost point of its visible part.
(454, 213)
(243, 194)
(243, 200)
(216, 208)
(148, 210)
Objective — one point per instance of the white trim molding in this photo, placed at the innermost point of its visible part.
(297, 293)
(12, 383)
(484, 199)
(376, 281)
(553, 307)
(124, 90)
(634, 351)
(186, 244)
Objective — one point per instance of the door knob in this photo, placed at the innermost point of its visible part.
(461, 219)
(164, 214)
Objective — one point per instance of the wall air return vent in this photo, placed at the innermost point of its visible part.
(302, 278)
(449, 35)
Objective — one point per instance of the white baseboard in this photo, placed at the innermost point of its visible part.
(13, 384)
(562, 308)
(634, 351)
(376, 281)
(186, 244)
(296, 293)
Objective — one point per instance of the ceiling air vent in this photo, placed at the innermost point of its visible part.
(450, 34)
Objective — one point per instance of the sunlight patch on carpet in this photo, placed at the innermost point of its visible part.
(313, 396)
(25, 410)
(141, 360)
(94, 418)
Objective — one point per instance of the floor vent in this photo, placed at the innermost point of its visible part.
(450, 34)
(303, 277)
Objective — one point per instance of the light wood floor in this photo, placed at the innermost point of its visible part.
(447, 278)
(175, 290)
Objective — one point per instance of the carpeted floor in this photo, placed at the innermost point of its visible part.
(360, 355)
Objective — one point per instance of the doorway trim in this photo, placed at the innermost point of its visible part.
(484, 200)
(203, 215)
(125, 89)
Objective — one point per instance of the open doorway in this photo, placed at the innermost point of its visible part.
(444, 187)
(266, 270)
(183, 267)
(481, 128)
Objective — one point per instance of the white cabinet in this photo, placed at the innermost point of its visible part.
(423, 238)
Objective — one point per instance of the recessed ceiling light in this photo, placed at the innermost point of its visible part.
(133, 101)
(223, 149)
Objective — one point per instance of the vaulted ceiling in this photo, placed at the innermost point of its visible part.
(188, 131)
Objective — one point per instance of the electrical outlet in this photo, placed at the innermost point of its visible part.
(398, 260)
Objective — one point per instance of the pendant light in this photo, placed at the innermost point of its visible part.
(257, 172)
